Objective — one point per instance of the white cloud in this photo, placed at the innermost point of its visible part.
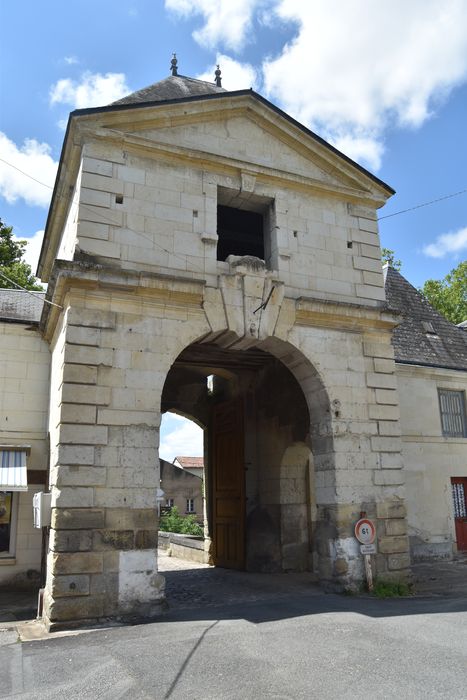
(71, 60)
(185, 439)
(367, 149)
(235, 75)
(355, 68)
(32, 158)
(92, 90)
(448, 243)
(225, 22)
(33, 248)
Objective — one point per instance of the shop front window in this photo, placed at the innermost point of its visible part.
(6, 511)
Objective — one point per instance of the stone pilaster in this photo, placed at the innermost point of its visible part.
(103, 542)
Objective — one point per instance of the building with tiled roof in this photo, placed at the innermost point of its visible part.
(182, 489)
(195, 465)
(431, 370)
(424, 337)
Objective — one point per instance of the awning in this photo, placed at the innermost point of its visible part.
(13, 472)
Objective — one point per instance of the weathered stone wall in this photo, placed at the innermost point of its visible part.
(25, 361)
(278, 506)
(430, 460)
(153, 214)
(111, 358)
(145, 284)
(119, 346)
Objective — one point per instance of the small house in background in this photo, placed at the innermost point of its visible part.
(182, 489)
(194, 465)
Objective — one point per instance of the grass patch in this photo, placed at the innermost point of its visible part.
(390, 589)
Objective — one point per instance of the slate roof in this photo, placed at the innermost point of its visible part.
(424, 337)
(172, 88)
(16, 305)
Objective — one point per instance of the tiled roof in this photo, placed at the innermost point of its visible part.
(172, 88)
(190, 462)
(17, 305)
(424, 337)
(170, 470)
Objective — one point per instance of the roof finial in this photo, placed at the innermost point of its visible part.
(173, 64)
(218, 77)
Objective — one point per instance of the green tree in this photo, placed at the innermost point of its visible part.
(12, 264)
(387, 256)
(449, 295)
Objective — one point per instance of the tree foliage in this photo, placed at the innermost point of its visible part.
(174, 522)
(449, 295)
(12, 263)
(388, 256)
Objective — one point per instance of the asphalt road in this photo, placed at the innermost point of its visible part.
(300, 646)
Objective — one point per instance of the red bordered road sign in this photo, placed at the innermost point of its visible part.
(365, 531)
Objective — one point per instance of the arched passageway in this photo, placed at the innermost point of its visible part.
(264, 409)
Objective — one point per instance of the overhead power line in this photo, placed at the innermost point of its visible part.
(29, 291)
(109, 221)
(157, 245)
(425, 204)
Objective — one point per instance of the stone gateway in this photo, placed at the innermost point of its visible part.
(197, 233)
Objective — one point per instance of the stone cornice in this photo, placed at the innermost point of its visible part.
(131, 285)
(210, 162)
(344, 315)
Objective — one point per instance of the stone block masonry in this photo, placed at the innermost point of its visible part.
(143, 283)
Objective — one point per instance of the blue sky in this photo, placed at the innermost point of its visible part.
(384, 82)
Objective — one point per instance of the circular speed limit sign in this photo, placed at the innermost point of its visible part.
(365, 531)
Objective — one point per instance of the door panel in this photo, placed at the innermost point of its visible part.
(459, 495)
(228, 486)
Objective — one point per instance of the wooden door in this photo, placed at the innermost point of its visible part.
(228, 486)
(459, 495)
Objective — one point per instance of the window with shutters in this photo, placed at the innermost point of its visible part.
(452, 410)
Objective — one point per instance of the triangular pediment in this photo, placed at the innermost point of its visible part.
(240, 139)
(247, 133)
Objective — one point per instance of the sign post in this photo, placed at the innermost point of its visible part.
(365, 532)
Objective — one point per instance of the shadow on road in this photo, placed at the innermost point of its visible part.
(212, 594)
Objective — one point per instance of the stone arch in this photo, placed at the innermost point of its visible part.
(188, 416)
(306, 446)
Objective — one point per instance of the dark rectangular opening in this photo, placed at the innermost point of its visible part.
(240, 233)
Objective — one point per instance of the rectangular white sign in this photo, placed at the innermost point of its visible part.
(368, 548)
